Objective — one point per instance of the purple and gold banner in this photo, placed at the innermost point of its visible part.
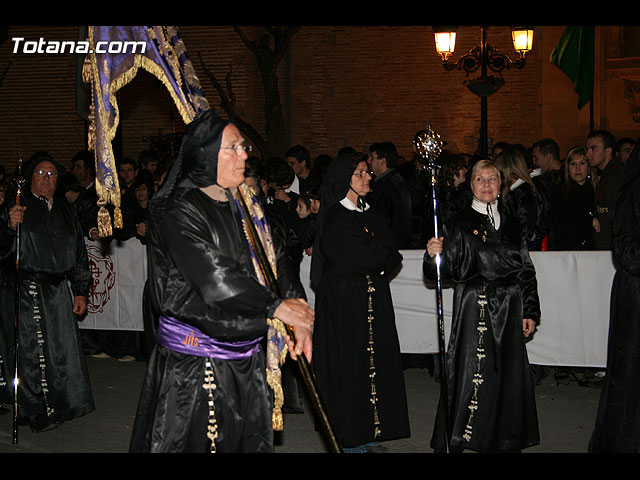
(117, 53)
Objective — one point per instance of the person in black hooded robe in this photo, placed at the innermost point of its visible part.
(54, 381)
(617, 427)
(491, 400)
(357, 360)
(207, 384)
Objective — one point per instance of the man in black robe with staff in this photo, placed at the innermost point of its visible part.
(53, 284)
(208, 379)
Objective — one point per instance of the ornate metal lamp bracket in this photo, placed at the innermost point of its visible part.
(472, 61)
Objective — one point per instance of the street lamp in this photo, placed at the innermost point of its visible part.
(483, 57)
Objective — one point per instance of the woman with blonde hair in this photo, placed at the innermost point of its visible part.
(491, 401)
(577, 204)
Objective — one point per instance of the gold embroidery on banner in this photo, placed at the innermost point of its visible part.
(276, 353)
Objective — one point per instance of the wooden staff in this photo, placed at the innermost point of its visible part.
(302, 361)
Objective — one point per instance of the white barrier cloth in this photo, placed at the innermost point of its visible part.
(119, 272)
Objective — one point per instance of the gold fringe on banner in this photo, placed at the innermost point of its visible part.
(277, 349)
(100, 139)
(104, 220)
(275, 359)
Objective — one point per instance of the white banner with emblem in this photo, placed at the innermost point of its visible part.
(119, 272)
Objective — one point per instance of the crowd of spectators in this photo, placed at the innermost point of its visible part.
(563, 200)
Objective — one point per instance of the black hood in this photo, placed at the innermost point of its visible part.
(199, 151)
(196, 165)
(334, 188)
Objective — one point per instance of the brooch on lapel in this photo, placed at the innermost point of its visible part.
(484, 236)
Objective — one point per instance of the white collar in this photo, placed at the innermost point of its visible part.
(295, 186)
(516, 184)
(49, 202)
(349, 205)
(535, 172)
(486, 208)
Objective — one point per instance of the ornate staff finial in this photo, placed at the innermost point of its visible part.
(428, 144)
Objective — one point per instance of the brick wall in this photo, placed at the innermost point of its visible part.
(37, 99)
(340, 85)
(359, 85)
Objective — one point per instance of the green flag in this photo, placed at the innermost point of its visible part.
(574, 55)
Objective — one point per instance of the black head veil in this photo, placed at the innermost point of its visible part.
(334, 188)
(196, 165)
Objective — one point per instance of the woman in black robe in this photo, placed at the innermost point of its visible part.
(491, 402)
(357, 359)
(617, 428)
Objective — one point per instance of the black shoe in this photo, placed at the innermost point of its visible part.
(41, 423)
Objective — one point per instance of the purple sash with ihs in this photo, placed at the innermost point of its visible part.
(182, 338)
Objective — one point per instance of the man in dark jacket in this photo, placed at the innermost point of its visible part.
(86, 205)
(390, 193)
(600, 154)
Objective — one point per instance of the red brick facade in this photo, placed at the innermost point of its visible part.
(339, 85)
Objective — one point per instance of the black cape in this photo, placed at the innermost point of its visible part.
(52, 253)
(494, 266)
(617, 427)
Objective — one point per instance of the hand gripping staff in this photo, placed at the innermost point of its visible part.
(428, 145)
(302, 361)
(20, 181)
